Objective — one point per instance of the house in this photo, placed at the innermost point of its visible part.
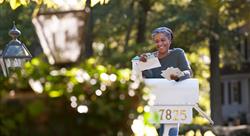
(235, 85)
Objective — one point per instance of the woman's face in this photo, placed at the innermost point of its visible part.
(162, 43)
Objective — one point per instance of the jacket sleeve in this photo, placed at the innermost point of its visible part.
(184, 65)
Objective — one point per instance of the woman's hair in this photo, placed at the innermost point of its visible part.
(168, 32)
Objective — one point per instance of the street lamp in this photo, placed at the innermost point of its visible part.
(15, 54)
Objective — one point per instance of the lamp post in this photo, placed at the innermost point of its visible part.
(15, 54)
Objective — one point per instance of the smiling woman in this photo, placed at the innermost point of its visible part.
(176, 58)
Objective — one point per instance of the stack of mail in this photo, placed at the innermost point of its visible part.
(171, 71)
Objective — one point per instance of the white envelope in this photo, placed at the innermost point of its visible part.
(149, 64)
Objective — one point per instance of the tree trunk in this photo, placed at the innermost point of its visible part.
(130, 24)
(215, 91)
(87, 51)
(141, 26)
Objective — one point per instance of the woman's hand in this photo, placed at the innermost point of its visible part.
(143, 58)
(174, 77)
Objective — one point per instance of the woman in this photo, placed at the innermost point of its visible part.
(175, 57)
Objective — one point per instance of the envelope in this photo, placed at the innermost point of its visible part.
(149, 64)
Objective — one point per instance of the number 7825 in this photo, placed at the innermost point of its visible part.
(173, 114)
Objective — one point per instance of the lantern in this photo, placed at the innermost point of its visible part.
(15, 54)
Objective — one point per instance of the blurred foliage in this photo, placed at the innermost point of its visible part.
(14, 4)
(193, 130)
(109, 96)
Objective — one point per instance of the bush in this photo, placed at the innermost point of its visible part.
(89, 99)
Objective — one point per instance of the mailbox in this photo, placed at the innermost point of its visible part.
(173, 101)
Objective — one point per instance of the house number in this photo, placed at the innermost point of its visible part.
(173, 114)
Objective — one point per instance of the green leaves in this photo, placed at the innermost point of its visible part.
(14, 4)
(83, 95)
(36, 108)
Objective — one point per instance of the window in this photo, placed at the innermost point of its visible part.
(236, 91)
(229, 93)
(246, 49)
(222, 94)
(249, 91)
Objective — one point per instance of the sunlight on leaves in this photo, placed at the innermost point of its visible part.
(124, 74)
(50, 3)
(101, 69)
(235, 25)
(55, 93)
(140, 129)
(35, 61)
(190, 133)
(181, 2)
(198, 133)
(77, 3)
(94, 2)
(209, 133)
(14, 4)
(199, 120)
(158, 7)
(38, 1)
(91, 61)
(24, 2)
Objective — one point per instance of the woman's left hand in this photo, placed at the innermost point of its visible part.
(174, 77)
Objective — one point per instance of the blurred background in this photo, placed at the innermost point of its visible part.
(78, 81)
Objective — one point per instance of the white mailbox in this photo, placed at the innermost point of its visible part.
(173, 101)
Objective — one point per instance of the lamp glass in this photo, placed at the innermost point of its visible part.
(16, 51)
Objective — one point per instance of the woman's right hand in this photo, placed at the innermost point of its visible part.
(143, 58)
